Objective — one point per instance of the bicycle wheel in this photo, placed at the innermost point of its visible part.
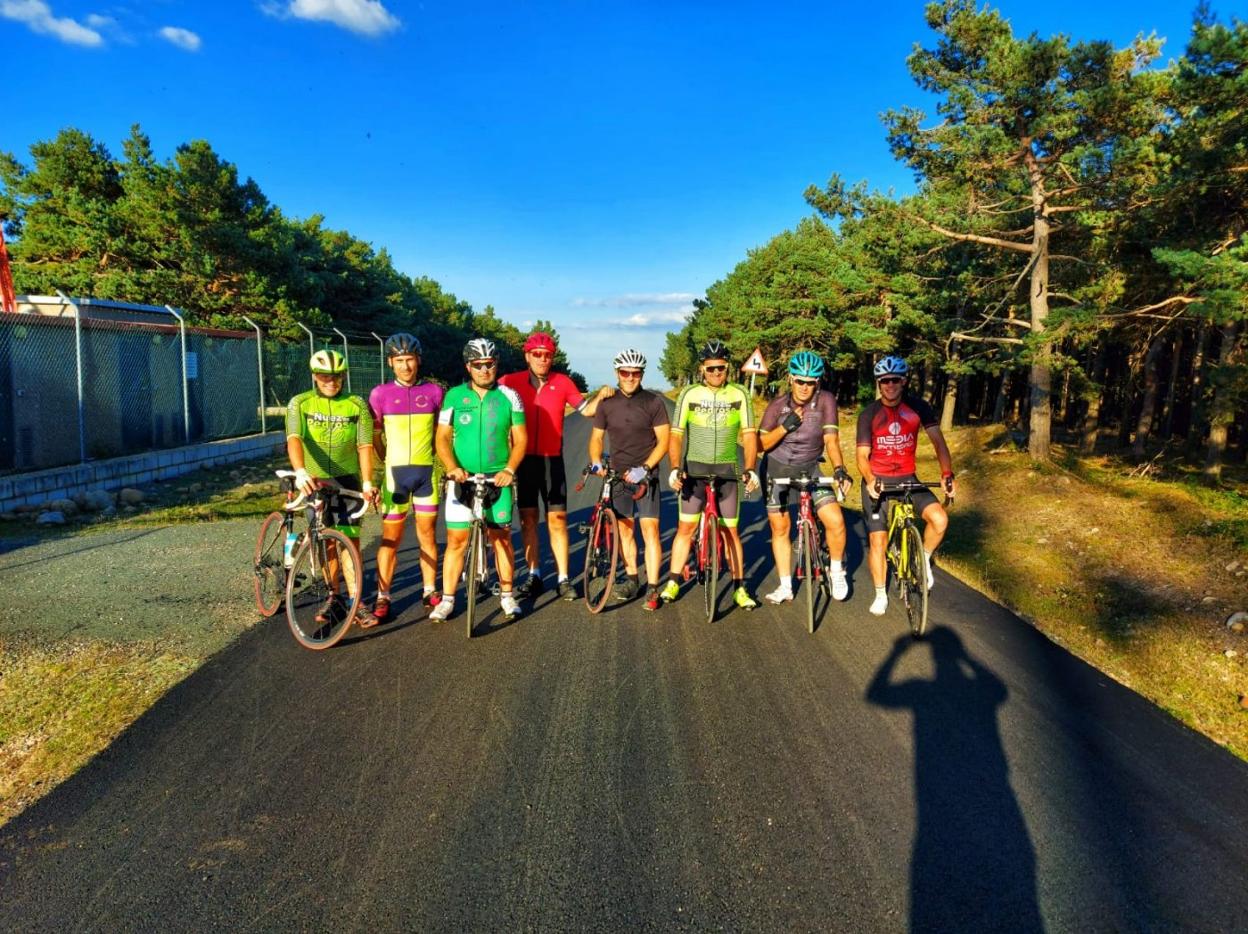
(318, 610)
(475, 561)
(270, 568)
(809, 546)
(916, 582)
(602, 551)
(714, 551)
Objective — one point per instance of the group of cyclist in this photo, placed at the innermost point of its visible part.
(510, 429)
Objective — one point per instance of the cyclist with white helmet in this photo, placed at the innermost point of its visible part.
(711, 418)
(797, 429)
(888, 436)
(636, 423)
(404, 412)
(329, 435)
(480, 430)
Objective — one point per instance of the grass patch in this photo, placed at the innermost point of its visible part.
(62, 704)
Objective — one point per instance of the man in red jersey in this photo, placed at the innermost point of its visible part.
(888, 436)
(541, 475)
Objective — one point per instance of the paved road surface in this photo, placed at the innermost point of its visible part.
(645, 770)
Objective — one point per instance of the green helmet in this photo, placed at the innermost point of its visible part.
(328, 361)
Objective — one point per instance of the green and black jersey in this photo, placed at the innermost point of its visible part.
(331, 429)
(713, 421)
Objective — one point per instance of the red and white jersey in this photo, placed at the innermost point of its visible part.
(893, 434)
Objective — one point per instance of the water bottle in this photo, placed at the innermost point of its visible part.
(292, 539)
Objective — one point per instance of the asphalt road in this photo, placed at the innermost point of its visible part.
(645, 770)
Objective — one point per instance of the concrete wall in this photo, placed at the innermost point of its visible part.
(41, 486)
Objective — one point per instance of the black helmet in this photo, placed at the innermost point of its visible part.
(479, 348)
(398, 345)
(714, 349)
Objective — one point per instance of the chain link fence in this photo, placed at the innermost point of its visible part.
(90, 380)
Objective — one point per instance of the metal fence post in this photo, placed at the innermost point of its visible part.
(381, 363)
(186, 385)
(311, 338)
(82, 420)
(264, 425)
(346, 355)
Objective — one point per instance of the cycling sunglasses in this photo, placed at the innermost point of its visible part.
(629, 374)
(483, 364)
(805, 382)
(889, 380)
(716, 369)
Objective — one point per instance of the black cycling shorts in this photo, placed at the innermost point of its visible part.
(542, 478)
(875, 512)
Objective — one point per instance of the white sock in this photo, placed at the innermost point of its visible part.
(787, 582)
(562, 578)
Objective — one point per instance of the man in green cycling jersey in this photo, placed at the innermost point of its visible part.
(714, 415)
(330, 436)
(480, 430)
(404, 413)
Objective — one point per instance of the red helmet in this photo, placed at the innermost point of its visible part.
(539, 340)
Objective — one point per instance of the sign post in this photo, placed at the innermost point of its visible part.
(755, 366)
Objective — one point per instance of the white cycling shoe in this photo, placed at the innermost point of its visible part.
(879, 606)
(781, 594)
(840, 584)
(444, 609)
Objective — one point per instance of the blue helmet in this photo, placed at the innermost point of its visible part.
(891, 366)
(807, 364)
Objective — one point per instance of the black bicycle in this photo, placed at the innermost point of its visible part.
(602, 547)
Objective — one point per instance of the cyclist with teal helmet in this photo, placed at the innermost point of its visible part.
(799, 428)
(329, 435)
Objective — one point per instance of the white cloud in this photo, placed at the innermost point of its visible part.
(182, 38)
(366, 17)
(637, 299)
(38, 16)
(667, 320)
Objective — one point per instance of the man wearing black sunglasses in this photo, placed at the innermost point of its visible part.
(888, 436)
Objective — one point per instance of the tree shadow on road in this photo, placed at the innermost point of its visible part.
(973, 865)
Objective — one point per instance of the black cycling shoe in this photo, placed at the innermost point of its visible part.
(530, 587)
(626, 590)
(567, 590)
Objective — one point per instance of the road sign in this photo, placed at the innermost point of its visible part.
(755, 364)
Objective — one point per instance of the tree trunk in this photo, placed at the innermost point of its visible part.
(951, 397)
(1172, 390)
(1092, 418)
(1041, 377)
(1148, 405)
(1221, 410)
(1196, 415)
(1128, 396)
(1003, 395)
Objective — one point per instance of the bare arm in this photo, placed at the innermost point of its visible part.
(443, 441)
(662, 436)
(595, 445)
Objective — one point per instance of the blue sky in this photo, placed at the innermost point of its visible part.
(594, 164)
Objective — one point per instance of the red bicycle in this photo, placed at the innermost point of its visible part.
(813, 566)
(602, 548)
(710, 551)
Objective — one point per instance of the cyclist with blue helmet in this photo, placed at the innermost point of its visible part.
(888, 436)
(799, 428)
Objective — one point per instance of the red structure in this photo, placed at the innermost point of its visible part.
(8, 301)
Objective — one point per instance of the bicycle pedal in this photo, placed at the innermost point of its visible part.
(583, 528)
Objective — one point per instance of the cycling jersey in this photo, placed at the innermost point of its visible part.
(713, 420)
(406, 416)
(892, 434)
(481, 426)
(543, 409)
(332, 429)
(805, 444)
(629, 422)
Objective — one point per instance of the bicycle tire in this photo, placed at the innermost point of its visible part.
(809, 584)
(602, 553)
(916, 584)
(308, 589)
(476, 544)
(710, 579)
(269, 564)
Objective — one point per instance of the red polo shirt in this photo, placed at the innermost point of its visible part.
(543, 409)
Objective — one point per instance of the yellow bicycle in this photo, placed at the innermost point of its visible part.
(905, 549)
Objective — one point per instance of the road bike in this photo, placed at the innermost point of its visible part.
(710, 551)
(813, 566)
(275, 550)
(602, 546)
(904, 548)
(476, 570)
(318, 614)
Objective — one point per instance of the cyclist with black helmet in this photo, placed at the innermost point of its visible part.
(404, 412)
(329, 435)
(797, 429)
(480, 430)
(636, 423)
(711, 418)
(888, 436)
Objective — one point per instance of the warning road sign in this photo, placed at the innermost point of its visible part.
(755, 363)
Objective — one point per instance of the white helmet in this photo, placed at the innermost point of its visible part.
(479, 348)
(629, 358)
